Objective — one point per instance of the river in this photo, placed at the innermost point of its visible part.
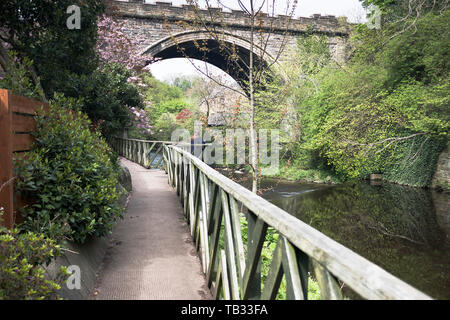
(402, 229)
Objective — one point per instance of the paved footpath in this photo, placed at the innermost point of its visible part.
(151, 254)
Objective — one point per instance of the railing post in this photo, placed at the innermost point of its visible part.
(146, 155)
(6, 168)
(141, 150)
(254, 285)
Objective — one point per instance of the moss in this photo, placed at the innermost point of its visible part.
(415, 162)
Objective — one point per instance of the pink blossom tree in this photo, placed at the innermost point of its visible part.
(141, 121)
(115, 46)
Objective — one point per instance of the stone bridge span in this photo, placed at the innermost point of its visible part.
(163, 29)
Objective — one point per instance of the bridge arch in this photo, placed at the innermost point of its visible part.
(204, 46)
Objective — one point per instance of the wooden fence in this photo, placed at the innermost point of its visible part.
(148, 154)
(215, 207)
(16, 125)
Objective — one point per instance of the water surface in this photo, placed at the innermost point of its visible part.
(402, 229)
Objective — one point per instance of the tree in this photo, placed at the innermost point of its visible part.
(115, 46)
(37, 30)
(184, 83)
(205, 91)
(405, 13)
(386, 110)
(259, 62)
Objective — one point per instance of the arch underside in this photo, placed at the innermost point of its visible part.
(200, 46)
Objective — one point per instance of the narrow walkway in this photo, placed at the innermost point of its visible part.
(151, 255)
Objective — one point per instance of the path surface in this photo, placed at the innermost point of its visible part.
(151, 254)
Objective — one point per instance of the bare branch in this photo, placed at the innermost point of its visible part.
(390, 140)
(5, 184)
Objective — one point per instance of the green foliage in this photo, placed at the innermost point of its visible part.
(160, 93)
(411, 167)
(66, 60)
(171, 106)
(22, 256)
(397, 10)
(315, 53)
(421, 54)
(70, 176)
(164, 126)
(106, 93)
(18, 79)
(293, 171)
(166, 102)
(184, 83)
(386, 106)
(41, 34)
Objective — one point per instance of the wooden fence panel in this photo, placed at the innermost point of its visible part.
(16, 125)
(237, 269)
(6, 169)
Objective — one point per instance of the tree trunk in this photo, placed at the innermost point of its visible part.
(252, 142)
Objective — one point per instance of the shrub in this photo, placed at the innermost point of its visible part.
(70, 177)
(106, 92)
(22, 276)
(164, 127)
(18, 79)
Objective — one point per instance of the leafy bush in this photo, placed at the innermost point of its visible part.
(70, 177)
(171, 106)
(105, 94)
(22, 276)
(164, 127)
(386, 111)
(414, 162)
(18, 79)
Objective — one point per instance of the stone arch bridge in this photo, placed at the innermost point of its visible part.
(164, 29)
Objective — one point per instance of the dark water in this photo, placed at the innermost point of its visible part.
(404, 230)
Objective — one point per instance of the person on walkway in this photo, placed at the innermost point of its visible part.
(197, 146)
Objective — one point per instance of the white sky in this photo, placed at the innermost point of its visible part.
(167, 70)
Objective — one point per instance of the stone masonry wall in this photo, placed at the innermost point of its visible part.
(441, 176)
(151, 22)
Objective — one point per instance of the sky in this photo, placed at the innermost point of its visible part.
(168, 70)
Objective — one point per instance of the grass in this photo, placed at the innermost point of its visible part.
(294, 173)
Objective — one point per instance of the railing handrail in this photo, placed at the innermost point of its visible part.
(141, 140)
(364, 277)
(166, 142)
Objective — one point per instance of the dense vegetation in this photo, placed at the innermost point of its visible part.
(22, 275)
(171, 106)
(53, 59)
(386, 111)
(71, 177)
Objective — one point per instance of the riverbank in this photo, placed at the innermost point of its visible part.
(293, 173)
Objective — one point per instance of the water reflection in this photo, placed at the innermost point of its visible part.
(402, 229)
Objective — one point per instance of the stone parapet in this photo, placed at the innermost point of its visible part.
(236, 19)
